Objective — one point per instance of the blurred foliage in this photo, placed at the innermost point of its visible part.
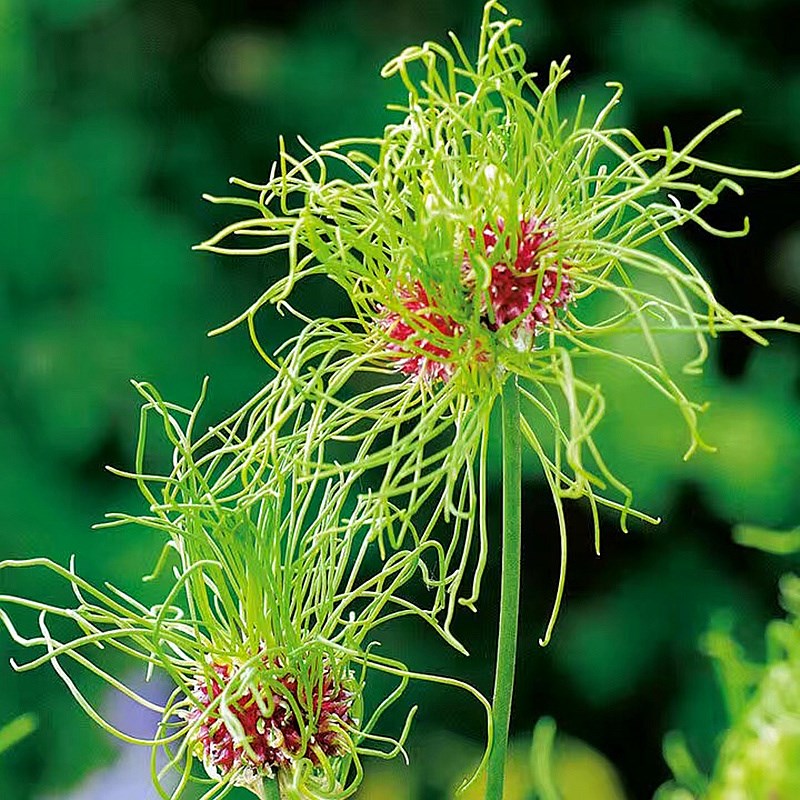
(573, 770)
(560, 768)
(116, 114)
(759, 754)
(16, 730)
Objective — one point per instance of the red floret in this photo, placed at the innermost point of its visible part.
(407, 335)
(525, 288)
(275, 739)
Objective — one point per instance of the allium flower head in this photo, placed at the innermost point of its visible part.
(526, 290)
(275, 734)
(266, 625)
(525, 286)
(488, 235)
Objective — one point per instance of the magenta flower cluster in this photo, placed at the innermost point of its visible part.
(275, 738)
(424, 359)
(526, 289)
(515, 290)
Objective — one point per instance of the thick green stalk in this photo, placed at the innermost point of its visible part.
(509, 589)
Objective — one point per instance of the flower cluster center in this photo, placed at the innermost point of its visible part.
(274, 739)
(526, 289)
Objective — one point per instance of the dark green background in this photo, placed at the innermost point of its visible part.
(115, 115)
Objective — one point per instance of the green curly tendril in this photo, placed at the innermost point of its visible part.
(270, 578)
(481, 141)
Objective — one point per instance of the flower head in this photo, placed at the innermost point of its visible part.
(275, 719)
(527, 286)
(266, 623)
(489, 236)
(524, 294)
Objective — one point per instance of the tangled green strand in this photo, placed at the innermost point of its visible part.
(271, 570)
(481, 141)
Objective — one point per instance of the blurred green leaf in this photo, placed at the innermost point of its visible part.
(16, 730)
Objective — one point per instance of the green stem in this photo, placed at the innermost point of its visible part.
(509, 590)
(271, 790)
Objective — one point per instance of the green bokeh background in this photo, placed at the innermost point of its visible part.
(115, 115)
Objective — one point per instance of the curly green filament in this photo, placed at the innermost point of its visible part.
(509, 591)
